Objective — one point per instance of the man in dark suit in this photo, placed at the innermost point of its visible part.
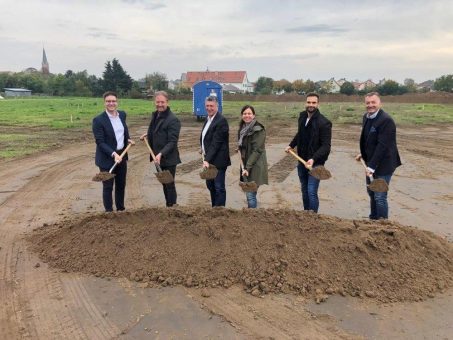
(163, 136)
(313, 140)
(112, 136)
(379, 151)
(214, 141)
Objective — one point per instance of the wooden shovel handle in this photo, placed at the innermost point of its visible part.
(240, 160)
(291, 151)
(159, 169)
(122, 155)
(364, 165)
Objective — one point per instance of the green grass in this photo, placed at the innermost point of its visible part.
(33, 124)
(63, 113)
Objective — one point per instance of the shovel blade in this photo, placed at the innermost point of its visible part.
(209, 173)
(248, 186)
(320, 173)
(378, 185)
(164, 177)
(103, 176)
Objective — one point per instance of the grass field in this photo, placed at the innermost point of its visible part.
(23, 121)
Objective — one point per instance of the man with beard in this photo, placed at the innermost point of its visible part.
(313, 141)
(163, 136)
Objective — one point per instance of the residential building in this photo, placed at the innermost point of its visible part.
(237, 79)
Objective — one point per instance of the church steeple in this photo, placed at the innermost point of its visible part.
(45, 63)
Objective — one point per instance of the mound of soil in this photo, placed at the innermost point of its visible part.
(266, 251)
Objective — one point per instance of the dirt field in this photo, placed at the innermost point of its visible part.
(56, 187)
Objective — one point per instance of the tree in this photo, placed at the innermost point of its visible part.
(309, 86)
(115, 78)
(156, 81)
(298, 86)
(390, 87)
(264, 85)
(282, 84)
(444, 83)
(347, 88)
(410, 85)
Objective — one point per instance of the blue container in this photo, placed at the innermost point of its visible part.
(204, 89)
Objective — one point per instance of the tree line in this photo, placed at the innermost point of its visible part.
(115, 78)
(266, 85)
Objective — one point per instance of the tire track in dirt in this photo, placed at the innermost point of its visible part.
(38, 305)
(279, 171)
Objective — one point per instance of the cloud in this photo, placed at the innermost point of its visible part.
(98, 33)
(148, 5)
(320, 28)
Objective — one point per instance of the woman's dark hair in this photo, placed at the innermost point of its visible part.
(245, 107)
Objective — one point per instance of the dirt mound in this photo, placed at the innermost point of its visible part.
(263, 250)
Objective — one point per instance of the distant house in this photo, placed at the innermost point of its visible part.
(426, 86)
(341, 81)
(360, 86)
(231, 89)
(332, 86)
(13, 92)
(237, 79)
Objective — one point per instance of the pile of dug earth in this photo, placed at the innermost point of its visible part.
(265, 251)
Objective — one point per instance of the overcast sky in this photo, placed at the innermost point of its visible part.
(357, 39)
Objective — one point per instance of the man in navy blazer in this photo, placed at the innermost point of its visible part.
(379, 151)
(214, 141)
(112, 136)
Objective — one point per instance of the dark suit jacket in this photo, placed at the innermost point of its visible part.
(106, 140)
(378, 148)
(321, 136)
(163, 135)
(216, 142)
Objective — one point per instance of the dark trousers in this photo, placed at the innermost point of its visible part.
(120, 185)
(217, 190)
(170, 188)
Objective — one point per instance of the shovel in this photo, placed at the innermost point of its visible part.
(246, 186)
(163, 176)
(318, 172)
(104, 175)
(208, 173)
(378, 184)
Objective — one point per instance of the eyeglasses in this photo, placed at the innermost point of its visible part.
(110, 101)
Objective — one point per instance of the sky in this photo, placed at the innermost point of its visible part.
(286, 39)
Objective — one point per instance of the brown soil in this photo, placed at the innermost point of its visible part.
(266, 251)
(103, 176)
(55, 186)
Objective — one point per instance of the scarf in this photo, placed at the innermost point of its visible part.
(245, 131)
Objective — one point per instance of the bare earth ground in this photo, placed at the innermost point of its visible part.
(55, 187)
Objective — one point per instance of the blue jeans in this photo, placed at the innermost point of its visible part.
(251, 199)
(378, 200)
(309, 186)
(217, 190)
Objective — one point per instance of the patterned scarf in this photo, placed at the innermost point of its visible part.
(246, 128)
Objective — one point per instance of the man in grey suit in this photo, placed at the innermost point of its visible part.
(163, 136)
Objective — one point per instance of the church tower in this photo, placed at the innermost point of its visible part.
(45, 63)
